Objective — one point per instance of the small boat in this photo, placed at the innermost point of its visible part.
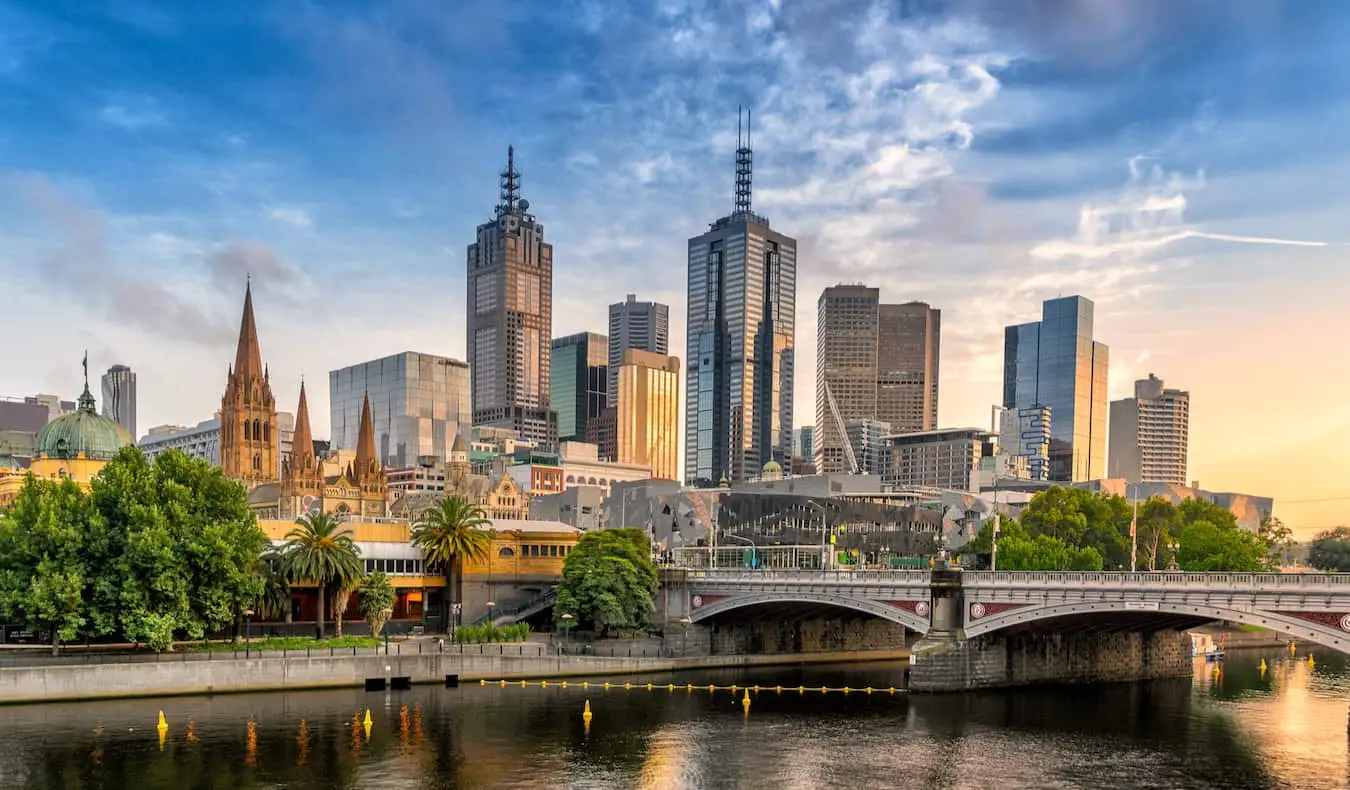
(1202, 646)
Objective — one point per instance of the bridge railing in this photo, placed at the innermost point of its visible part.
(1163, 579)
(777, 576)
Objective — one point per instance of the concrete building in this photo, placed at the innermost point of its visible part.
(908, 353)
(119, 397)
(647, 428)
(946, 459)
(846, 369)
(579, 506)
(1150, 434)
(1248, 509)
(867, 438)
(579, 390)
(1056, 363)
(634, 325)
(741, 340)
(510, 318)
(419, 403)
(199, 441)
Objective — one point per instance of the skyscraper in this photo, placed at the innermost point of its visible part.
(846, 370)
(119, 397)
(580, 381)
(510, 310)
(644, 326)
(908, 343)
(419, 404)
(1150, 434)
(1055, 363)
(648, 420)
(742, 303)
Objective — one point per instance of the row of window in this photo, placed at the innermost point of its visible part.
(395, 567)
(531, 550)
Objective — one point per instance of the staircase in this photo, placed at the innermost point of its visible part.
(531, 607)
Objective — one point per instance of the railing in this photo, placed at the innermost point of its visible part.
(539, 602)
(1157, 579)
(40, 658)
(772, 575)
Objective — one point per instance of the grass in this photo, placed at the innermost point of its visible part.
(279, 643)
(1251, 629)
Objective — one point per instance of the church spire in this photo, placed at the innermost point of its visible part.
(247, 356)
(302, 440)
(365, 440)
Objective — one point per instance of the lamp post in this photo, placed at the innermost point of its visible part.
(489, 606)
(754, 553)
(566, 627)
(824, 534)
(1173, 547)
(248, 629)
(684, 640)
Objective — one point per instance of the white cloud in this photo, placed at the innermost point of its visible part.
(133, 113)
(291, 215)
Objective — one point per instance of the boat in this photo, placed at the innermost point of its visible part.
(1202, 646)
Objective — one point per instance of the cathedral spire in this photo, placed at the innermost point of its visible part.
(247, 356)
(302, 441)
(365, 439)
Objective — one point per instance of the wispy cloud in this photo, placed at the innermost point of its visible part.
(133, 113)
(291, 215)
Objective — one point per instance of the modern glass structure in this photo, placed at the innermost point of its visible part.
(1055, 363)
(908, 344)
(644, 326)
(119, 397)
(580, 381)
(419, 403)
(647, 430)
(846, 369)
(804, 442)
(741, 339)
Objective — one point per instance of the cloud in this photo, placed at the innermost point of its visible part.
(231, 264)
(291, 215)
(133, 113)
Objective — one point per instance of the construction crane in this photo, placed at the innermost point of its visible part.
(843, 432)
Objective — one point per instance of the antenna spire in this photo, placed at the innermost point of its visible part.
(744, 162)
(510, 184)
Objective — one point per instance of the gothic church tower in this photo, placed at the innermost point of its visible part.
(249, 444)
(301, 472)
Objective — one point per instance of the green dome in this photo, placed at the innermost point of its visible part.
(81, 432)
(773, 467)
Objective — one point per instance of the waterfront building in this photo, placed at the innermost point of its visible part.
(578, 464)
(510, 318)
(579, 389)
(579, 506)
(419, 401)
(945, 459)
(647, 417)
(634, 325)
(119, 397)
(1150, 434)
(742, 304)
(1055, 363)
(249, 442)
(908, 354)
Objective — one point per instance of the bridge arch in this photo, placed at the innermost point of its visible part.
(895, 614)
(1299, 628)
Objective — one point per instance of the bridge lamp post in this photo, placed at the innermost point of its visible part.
(754, 553)
(1173, 547)
(993, 560)
(567, 628)
(685, 622)
(824, 534)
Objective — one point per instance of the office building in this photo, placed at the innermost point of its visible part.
(579, 390)
(199, 441)
(119, 397)
(908, 344)
(1055, 363)
(846, 370)
(1024, 437)
(867, 440)
(510, 318)
(647, 426)
(741, 330)
(947, 459)
(803, 443)
(419, 403)
(643, 326)
(1149, 434)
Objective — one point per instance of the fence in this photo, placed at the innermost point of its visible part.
(82, 656)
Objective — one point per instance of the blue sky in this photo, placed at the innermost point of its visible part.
(980, 155)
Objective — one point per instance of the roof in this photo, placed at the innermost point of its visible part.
(82, 432)
(524, 525)
(267, 493)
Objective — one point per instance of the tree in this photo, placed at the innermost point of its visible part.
(608, 581)
(450, 533)
(1157, 525)
(1018, 550)
(320, 550)
(275, 598)
(1207, 547)
(1081, 519)
(1330, 550)
(376, 601)
(1278, 539)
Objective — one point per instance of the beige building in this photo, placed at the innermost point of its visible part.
(1150, 435)
(647, 430)
(846, 369)
(908, 344)
(947, 459)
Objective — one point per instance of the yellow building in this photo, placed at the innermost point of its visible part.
(647, 419)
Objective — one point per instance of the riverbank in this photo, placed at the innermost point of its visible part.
(55, 683)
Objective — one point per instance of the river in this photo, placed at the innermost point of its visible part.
(1284, 728)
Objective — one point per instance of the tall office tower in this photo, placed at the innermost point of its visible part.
(908, 342)
(510, 309)
(648, 419)
(1055, 363)
(644, 326)
(846, 371)
(119, 397)
(742, 303)
(804, 442)
(419, 403)
(1150, 434)
(249, 440)
(580, 381)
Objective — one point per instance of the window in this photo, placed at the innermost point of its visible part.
(506, 552)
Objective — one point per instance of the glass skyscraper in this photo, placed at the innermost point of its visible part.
(119, 397)
(580, 382)
(634, 325)
(1055, 363)
(419, 403)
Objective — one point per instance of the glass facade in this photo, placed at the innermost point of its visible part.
(580, 383)
(647, 418)
(908, 352)
(644, 326)
(419, 403)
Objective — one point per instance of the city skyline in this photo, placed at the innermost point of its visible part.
(1113, 163)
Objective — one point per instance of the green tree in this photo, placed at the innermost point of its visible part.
(319, 550)
(450, 533)
(1330, 550)
(275, 599)
(608, 581)
(1018, 550)
(376, 601)
(1082, 519)
(1158, 524)
(1278, 538)
(1209, 547)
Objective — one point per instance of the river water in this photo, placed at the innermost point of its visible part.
(1284, 728)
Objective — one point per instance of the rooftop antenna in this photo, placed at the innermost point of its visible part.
(510, 184)
(744, 162)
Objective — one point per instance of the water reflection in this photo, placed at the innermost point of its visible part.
(1242, 728)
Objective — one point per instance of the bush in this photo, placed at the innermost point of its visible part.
(487, 632)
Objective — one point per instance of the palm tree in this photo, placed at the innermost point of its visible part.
(449, 533)
(274, 601)
(320, 550)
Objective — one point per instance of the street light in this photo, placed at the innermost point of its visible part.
(248, 628)
(754, 553)
(685, 622)
(566, 627)
(489, 606)
(1173, 547)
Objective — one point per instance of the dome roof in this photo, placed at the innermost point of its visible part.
(81, 432)
(772, 467)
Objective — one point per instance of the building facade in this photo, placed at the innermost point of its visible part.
(644, 326)
(909, 339)
(867, 438)
(1024, 437)
(947, 459)
(419, 402)
(647, 430)
(249, 442)
(1150, 434)
(846, 370)
(510, 318)
(580, 383)
(119, 397)
(804, 442)
(1055, 363)
(741, 338)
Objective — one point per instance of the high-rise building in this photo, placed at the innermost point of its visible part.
(1150, 434)
(908, 342)
(1024, 435)
(580, 383)
(947, 459)
(644, 326)
(1055, 363)
(742, 304)
(419, 403)
(804, 442)
(846, 370)
(249, 440)
(647, 431)
(119, 397)
(510, 310)
(867, 439)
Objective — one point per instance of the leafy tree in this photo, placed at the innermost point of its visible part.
(275, 598)
(1209, 547)
(1081, 519)
(319, 549)
(1018, 550)
(450, 533)
(1330, 550)
(1278, 538)
(376, 601)
(608, 581)
(1157, 525)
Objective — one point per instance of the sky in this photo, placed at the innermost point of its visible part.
(1182, 163)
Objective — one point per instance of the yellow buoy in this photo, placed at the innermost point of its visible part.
(482, 681)
(671, 687)
(606, 684)
(585, 684)
(627, 686)
(503, 684)
(801, 689)
(649, 687)
(163, 725)
(1311, 663)
(891, 689)
(522, 684)
(366, 721)
(564, 684)
(1262, 666)
(586, 713)
(1292, 648)
(733, 688)
(869, 689)
(543, 684)
(745, 701)
(846, 689)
